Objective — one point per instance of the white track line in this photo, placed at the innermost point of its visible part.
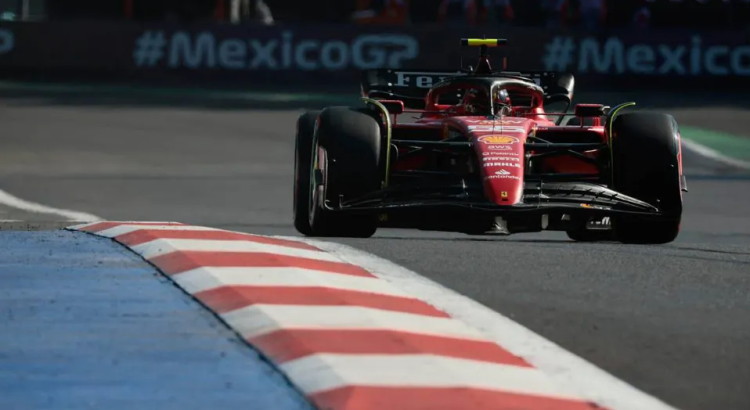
(33, 207)
(711, 154)
(567, 369)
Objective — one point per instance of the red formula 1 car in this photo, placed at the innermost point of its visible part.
(482, 156)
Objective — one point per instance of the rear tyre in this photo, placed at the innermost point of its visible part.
(302, 167)
(646, 165)
(349, 159)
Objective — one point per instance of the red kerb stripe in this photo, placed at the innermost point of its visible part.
(100, 226)
(286, 345)
(145, 235)
(229, 298)
(177, 262)
(409, 398)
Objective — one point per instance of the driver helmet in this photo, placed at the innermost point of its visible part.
(501, 100)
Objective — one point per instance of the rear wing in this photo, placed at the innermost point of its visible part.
(412, 86)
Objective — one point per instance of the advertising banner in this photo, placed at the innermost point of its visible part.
(326, 56)
(237, 54)
(678, 57)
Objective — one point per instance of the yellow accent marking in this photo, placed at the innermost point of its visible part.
(477, 42)
(611, 151)
(388, 136)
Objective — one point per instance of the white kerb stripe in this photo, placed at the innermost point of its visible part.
(321, 372)
(161, 247)
(565, 368)
(86, 225)
(203, 279)
(257, 320)
(125, 229)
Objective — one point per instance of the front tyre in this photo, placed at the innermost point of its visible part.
(347, 153)
(302, 166)
(646, 166)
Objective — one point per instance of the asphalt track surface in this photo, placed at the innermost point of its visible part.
(672, 320)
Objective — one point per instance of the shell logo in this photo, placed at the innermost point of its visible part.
(498, 139)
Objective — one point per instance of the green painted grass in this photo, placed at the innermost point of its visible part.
(730, 145)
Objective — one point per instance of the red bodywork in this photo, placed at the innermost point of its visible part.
(499, 143)
(488, 134)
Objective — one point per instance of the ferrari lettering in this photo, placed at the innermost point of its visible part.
(420, 79)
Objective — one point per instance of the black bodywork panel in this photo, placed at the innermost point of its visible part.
(411, 86)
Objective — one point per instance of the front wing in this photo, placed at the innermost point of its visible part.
(460, 207)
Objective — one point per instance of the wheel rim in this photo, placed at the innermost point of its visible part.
(313, 197)
(296, 181)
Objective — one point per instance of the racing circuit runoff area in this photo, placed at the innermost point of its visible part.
(86, 322)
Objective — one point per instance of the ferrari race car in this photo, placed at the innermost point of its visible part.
(479, 154)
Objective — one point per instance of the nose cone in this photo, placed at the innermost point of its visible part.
(502, 167)
(499, 147)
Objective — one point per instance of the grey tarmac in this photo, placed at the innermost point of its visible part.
(671, 320)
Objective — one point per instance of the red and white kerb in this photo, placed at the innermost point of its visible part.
(347, 339)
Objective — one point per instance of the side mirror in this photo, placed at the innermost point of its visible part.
(590, 110)
(394, 107)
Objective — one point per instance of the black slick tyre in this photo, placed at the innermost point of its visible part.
(302, 166)
(351, 165)
(646, 166)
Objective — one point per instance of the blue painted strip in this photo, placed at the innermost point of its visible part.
(86, 324)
